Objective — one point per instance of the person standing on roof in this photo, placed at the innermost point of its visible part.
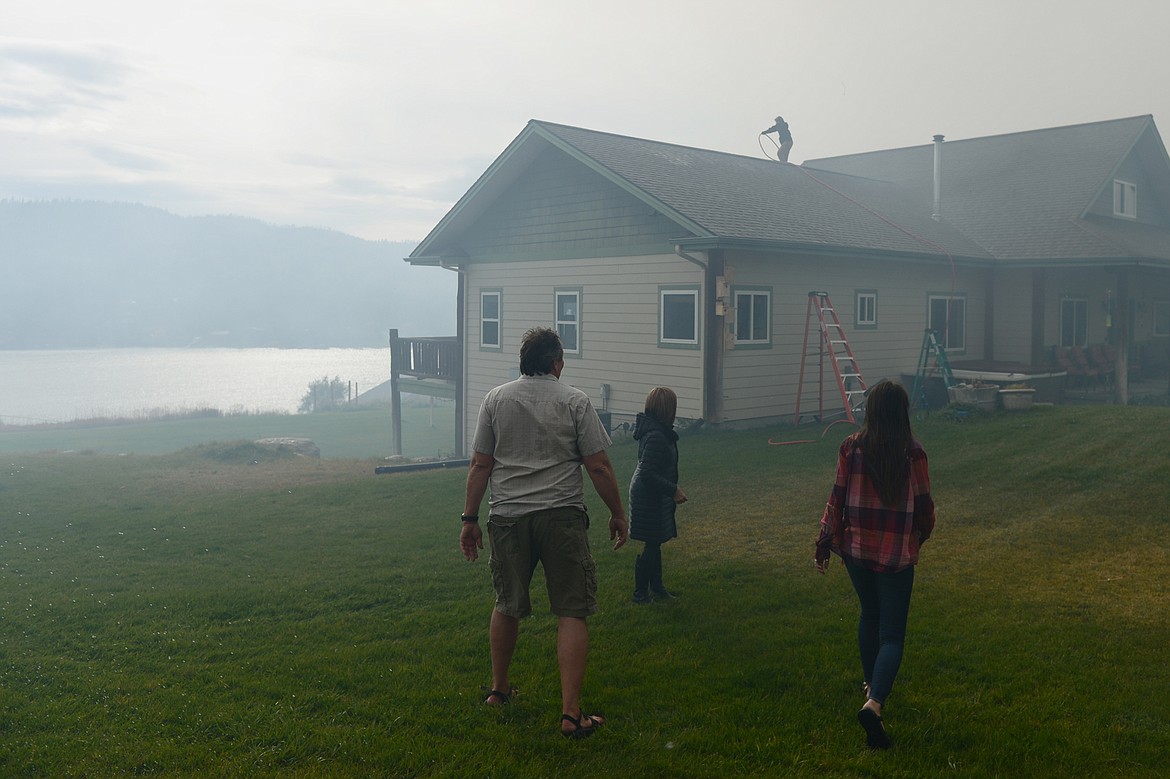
(781, 130)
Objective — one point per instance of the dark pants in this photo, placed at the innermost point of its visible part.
(881, 631)
(652, 554)
(648, 570)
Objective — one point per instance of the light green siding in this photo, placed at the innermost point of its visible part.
(559, 208)
(762, 383)
(619, 326)
(1136, 169)
(1013, 315)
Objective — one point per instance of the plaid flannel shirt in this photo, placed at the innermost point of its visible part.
(858, 527)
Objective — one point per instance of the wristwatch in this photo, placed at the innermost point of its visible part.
(470, 518)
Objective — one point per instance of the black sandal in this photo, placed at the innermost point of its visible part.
(579, 730)
(505, 697)
(875, 731)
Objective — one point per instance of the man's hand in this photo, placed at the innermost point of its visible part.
(471, 540)
(600, 471)
(478, 472)
(619, 529)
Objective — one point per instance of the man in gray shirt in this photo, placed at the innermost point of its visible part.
(531, 439)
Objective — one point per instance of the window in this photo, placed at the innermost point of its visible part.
(1124, 199)
(1074, 319)
(1161, 311)
(948, 318)
(752, 317)
(678, 316)
(866, 311)
(568, 318)
(489, 319)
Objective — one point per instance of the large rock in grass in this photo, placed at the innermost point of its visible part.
(304, 447)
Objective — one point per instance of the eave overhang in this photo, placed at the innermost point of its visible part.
(789, 247)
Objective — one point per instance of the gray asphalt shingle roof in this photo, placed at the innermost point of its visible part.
(1021, 195)
(1016, 197)
(758, 200)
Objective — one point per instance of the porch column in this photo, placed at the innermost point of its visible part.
(1121, 330)
(1038, 298)
(714, 340)
(989, 316)
(395, 397)
(460, 372)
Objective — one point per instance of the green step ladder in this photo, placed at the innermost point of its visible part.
(931, 349)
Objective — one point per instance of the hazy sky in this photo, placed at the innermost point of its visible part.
(373, 116)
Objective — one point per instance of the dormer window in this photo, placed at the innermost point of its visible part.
(1124, 199)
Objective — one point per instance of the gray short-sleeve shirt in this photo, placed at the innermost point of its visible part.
(537, 430)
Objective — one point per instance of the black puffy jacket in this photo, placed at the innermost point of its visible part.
(654, 482)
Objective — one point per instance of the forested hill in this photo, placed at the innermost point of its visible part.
(87, 274)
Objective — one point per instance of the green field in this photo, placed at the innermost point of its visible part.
(230, 611)
(358, 434)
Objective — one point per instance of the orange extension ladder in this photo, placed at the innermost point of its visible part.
(833, 348)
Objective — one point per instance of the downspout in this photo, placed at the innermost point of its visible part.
(689, 257)
(460, 337)
(938, 142)
(712, 383)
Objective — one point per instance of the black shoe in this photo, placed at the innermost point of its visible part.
(580, 729)
(875, 731)
(662, 593)
(642, 597)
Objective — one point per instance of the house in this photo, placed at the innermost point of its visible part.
(667, 265)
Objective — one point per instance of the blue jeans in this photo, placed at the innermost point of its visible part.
(881, 631)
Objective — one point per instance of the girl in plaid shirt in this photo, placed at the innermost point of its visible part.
(879, 513)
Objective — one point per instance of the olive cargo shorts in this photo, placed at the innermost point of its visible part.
(557, 538)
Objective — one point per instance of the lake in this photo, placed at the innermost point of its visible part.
(63, 385)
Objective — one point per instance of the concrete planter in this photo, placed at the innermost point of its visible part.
(1016, 399)
(983, 397)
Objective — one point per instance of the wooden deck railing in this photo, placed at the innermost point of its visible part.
(438, 358)
(425, 358)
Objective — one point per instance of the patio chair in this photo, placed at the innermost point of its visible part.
(1081, 359)
(1077, 374)
(1133, 363)
(1102, 362)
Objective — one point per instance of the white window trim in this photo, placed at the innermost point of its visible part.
(497, 319)
(1124, 199)
(870, 323)
(575, 293)
(693, 292)
(753, 292)
(1060, 323)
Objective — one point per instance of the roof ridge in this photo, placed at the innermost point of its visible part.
(548, 124)
(1014, 133)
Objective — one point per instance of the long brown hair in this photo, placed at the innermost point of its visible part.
(885, 440)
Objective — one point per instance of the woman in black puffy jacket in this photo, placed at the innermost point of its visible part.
(654, 491)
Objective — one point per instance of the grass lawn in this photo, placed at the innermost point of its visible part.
(361, 433)
(223, 611)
